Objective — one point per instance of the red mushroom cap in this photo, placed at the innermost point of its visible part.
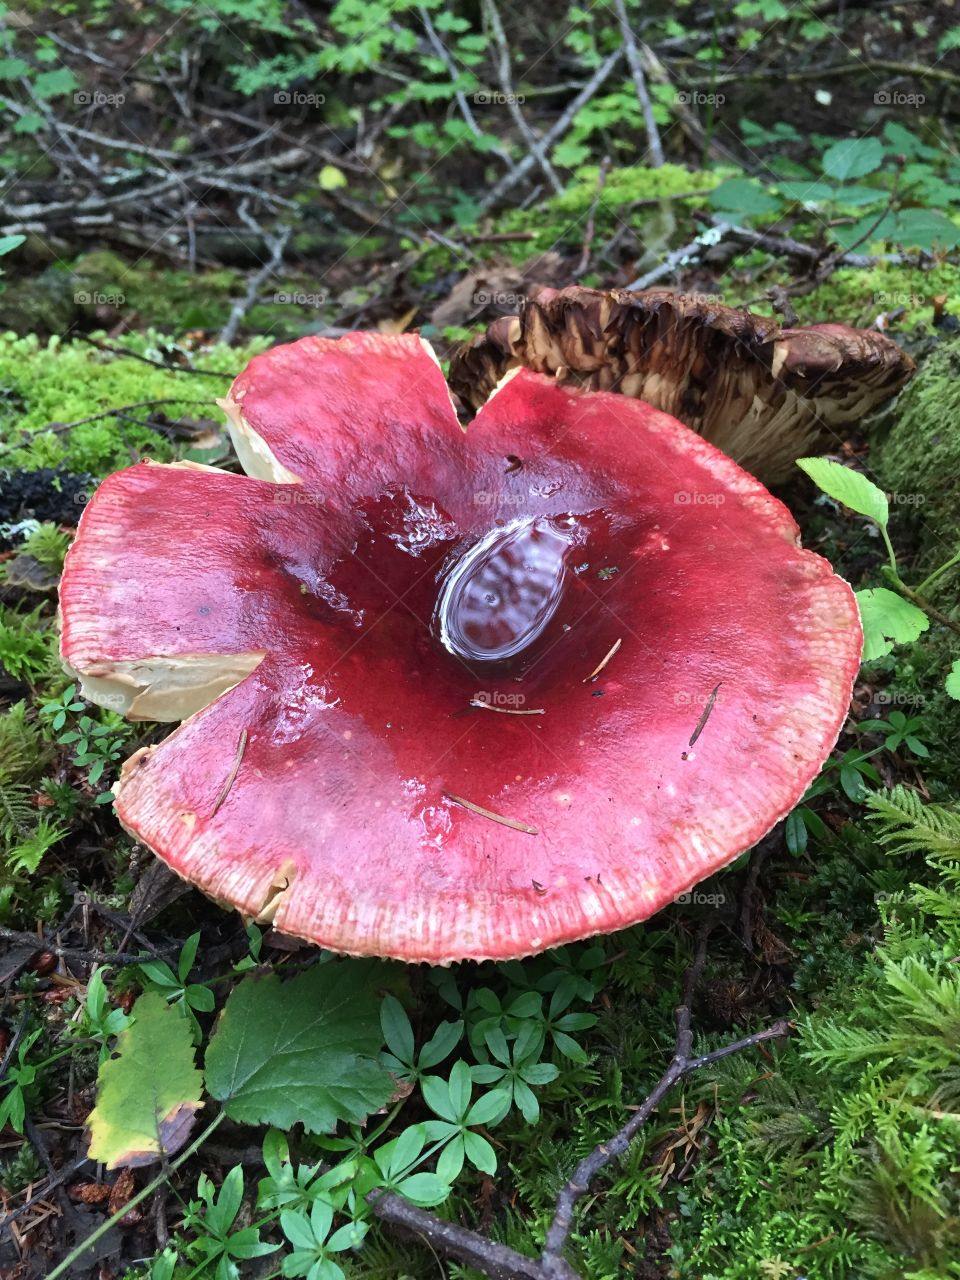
(479, 693)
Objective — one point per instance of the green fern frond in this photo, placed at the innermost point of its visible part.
(16, 810)
(907, 825)
(27, 854)
(22, 749)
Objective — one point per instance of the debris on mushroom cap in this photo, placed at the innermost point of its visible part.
(584, 555)
(762, 394)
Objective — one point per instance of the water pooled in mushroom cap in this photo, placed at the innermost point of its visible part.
(499, 596)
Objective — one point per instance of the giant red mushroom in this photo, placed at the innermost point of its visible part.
(454, 694)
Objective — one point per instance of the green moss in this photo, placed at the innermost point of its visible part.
(644, 198)
(632, 184)
(54, 382)
(178, 300)
(838, 1165)
(919, 461)
(857, 297)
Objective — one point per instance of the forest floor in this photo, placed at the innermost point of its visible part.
(828, 1152)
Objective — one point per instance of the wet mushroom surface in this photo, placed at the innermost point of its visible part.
(454, 694)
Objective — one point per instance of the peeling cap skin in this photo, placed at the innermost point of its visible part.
(484, 692)
(762, 394)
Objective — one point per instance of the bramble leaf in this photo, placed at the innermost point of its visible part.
(852, 158)
(302, 1051)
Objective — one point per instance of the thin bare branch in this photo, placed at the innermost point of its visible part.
(502, 1263)
(556, 130)
(453, 72)
(505, 76)
(277, 245)
(654, 145)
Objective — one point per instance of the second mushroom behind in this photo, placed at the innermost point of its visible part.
(763, 394)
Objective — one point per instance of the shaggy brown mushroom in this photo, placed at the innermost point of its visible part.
(763, 394)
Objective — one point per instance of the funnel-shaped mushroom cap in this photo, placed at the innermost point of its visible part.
(464, 694)
(762, 394)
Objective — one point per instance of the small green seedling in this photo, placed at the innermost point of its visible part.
(889, 617)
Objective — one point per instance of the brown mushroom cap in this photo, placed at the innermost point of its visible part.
(762, 394)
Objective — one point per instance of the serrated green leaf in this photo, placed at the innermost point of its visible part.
(806, 192)
(743, 197)
(849, 487)
(887, 620)
(925, 229)
(953, 680)
(852, 158)
(148, 1091)
(53, 84)
(302, 1051)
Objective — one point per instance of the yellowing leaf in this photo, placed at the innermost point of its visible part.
(330, 178)
(149, 1091)
(397, 324)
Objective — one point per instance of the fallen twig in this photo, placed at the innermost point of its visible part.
(502, 1263)
(81, 955)
(506, 86)
(277, 245)
(685, 256)
(113, 349)
(556, 130)
(790, 248)
(654, 145)
(589, 230)
(57, 428)
(453, 72)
